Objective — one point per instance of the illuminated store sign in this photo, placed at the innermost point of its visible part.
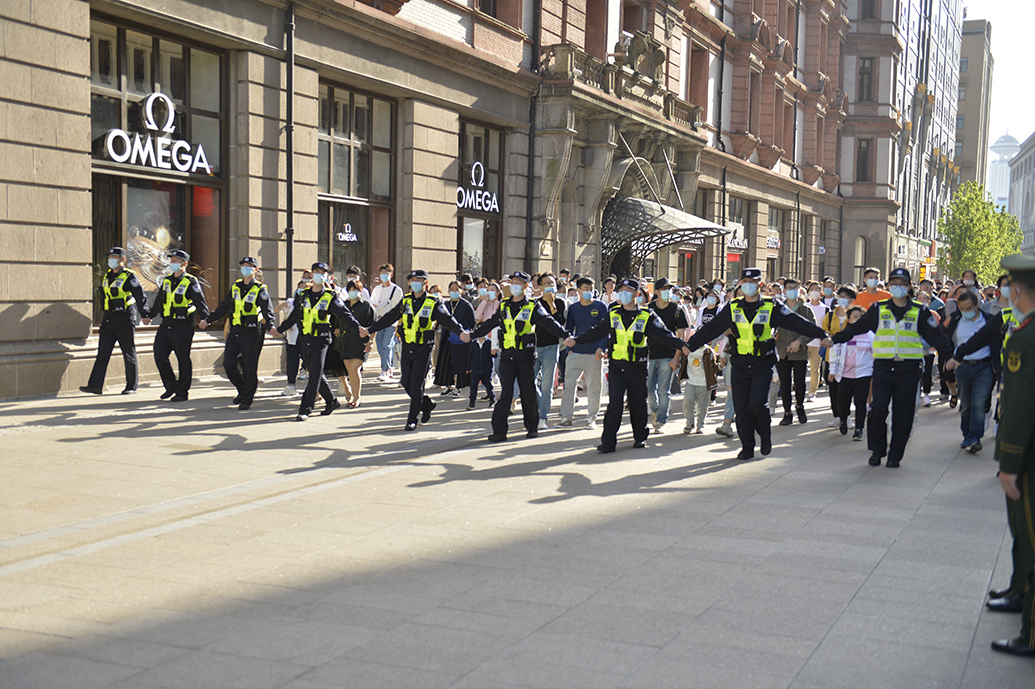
(157, 151)
(477, 199)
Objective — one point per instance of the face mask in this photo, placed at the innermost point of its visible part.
(353, 294)
(898, 291)
(968, 283)
(469, 286)
(588, 296)
(247, 271)
(749, 289)
(843, 303)
(174, 268)
(625, 297)
(572, 298)
(416, 287)
(351, 278)
(828, 291)
(318, 279)
(871, 282)
(454, 295)
(492, 294)
(385, 277)
(550, 290)
(298, 292)
(639, 300)
(517, 290)
(792, 294)
(1005, 291)
(712, 301)
(113, 263)
(482, 292)
(814, 296)
(969, 315)
(666, 295)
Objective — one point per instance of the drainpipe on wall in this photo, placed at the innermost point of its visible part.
(840, 236)
(290, 145)
(530, 249)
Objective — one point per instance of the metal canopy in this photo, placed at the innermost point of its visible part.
(643, 227)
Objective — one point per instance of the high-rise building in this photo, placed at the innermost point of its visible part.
(975, 101)
(1022, 192)
(901, 66)
(1005, 148)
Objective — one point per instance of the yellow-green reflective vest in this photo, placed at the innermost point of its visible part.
(898, 339)
(177, 305)
(316, 318)
(629, 342)
(116, 296)
(518, 332)
(747, 341)
(419, 327)
(246, 307)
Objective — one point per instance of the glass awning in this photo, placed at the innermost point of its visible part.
(643, 227)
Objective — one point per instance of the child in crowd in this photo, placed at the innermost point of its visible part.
(851, 365)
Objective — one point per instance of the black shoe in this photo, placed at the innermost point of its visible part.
(167, 394)
(893, 464)
(746, 454)
(179, 398)
(486, 398)
(801, 415)
(92, 391)
(1013, 647)
(331, 406)
(236, 400)
(953, 401)
(975, 448)
(1012, 602)
(245, 406)
(470, 406)
(875, 459)
(302, 417)
(999, 594)
(497, 438)
(858, 435)
(492, 402)
(787, 420)
(410, 427)
(639, 444)
(447, 391)
(129, 391)
(534, 433)
(843, 427)
(426, 416)
(766, 446)
(605, 448)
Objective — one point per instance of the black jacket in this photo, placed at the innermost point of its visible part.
(133, 312)
(989, 335)
(439, 314)
(265, 308)
(540, 319)
(927, 325)
(655, 328)
(336, 308)
(193, 294)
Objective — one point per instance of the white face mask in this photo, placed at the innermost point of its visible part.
(814, 296)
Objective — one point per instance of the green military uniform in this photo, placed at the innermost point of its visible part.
(1015, 451)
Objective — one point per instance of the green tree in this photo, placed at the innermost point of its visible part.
(978, 233)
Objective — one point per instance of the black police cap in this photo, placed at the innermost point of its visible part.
(179, 253)
(629, 282)
(753, 273)
(900, 273)
(418, 274)
(248, 259)
(522, 276)
(319, 265)
(116, 251)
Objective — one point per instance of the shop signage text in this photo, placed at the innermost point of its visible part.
(736, 240)
(477, 199)
(347, 235)
(157, 151)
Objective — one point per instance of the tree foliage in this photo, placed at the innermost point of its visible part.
(978, 233)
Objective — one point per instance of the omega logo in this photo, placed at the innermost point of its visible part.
(157, 151)
(477, 199)
(347, 235)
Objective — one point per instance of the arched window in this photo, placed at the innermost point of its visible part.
(860, 260)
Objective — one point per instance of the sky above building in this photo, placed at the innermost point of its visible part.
(1013, 95)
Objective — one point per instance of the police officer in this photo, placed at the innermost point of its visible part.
(900, 325)
(178, 301)
(252, 318)
(123, 302)
(418, 313)
(626, 328)
(312, 310)
(752, 349)
(518, 317)
(1015, 445)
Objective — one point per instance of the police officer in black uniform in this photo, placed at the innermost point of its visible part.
(626, 328)
(752, 350)
(417, 313)
(178, 301)
(312, 312)
(517, 318)
(251, 319)
(124, 306)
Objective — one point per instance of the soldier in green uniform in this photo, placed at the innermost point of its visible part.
(1015, 445)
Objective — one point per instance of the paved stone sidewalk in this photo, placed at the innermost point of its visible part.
(147, 545)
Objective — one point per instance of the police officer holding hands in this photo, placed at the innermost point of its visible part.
(252, 318)
(123, 303)
(752, 350)
(626, 328)
(418, 313)
(178, 301)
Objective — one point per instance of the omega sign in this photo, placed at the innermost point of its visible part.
(157, 151)
(477, 199)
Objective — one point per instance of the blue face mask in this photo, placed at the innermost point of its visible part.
(871, 282)
(711, 301)
(550, 290)
(385, 277)
(492, 294)
(588, 296)
(517, 290)
(749, 289)
(247, 271)
(482, 292)
(791, 294)
(1005, 291)
(454, 295)
(827, 291)
(298, 292)
(625, 297)
(969, 315)
(639, 300)
(113, 263)
(843, 302)
(353, 294)
(898, 291)
(666, 295)
(417, 287)
(318, 279)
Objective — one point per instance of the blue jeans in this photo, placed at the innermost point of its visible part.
(385, 347)
(659, 380)
(974, 381)
(545, 367)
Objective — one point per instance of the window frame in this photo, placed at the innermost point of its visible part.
(865, 83)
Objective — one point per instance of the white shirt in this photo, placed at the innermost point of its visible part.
(966, 330)
(695, 368)
(385, 297)
(819, 311)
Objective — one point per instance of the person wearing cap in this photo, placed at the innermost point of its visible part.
(752, 355)
(178, 302)
(248, 302)
(518, 318)
(418, 313)
(124, 305)
(313, 310)
(900, 326)
(793, 355)
(663, 359)
(1015, 452)
(626, 329)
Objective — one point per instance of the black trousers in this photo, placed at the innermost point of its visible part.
(833, 387)
(750, 389)
(112, 330)
(626, 382)
(312, 351)
(928, 376)
(413, 374)
(175, 338)
(241, 361)
(894, 384)
(853, 390)
(523, 371)
(792, 371)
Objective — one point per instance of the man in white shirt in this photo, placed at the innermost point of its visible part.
(819, 310)
(385, 297)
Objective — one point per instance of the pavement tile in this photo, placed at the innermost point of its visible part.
(364, 674)
(198, 668)
(581, 651)
(54, 671)
(523, 672)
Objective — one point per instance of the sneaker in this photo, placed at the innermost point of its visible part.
(302, 375)
(927, 400)
(858, 435)
(688, 430)
(975, 448)
(658, 427)
(843, 428)
(289, 391)
(470, 406)
(851, 423)
(591, 425)
(565, 423)
(834, 423)
(699, 431)
(455, 393)
(725, 431)
(447, 391)
(542, 425)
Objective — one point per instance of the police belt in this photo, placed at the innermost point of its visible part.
(987, 359)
